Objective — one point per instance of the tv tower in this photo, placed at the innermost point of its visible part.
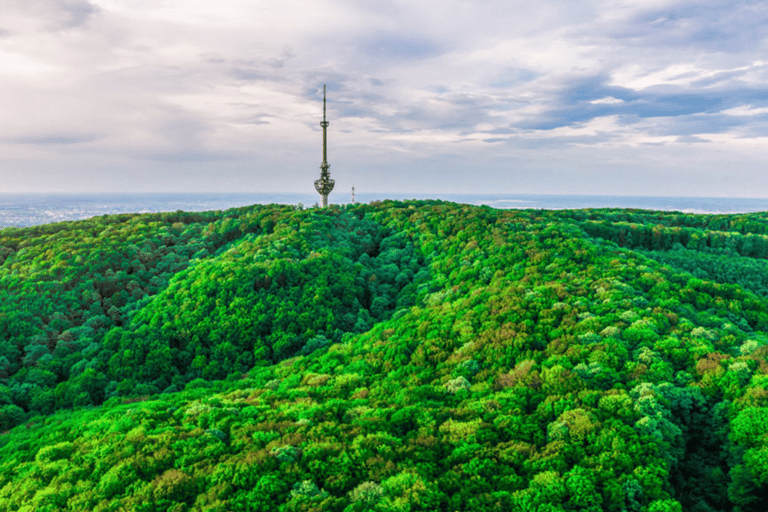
(324, 185)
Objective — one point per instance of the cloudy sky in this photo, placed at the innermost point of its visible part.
(647, 97)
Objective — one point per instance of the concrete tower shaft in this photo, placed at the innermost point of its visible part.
(325, 184)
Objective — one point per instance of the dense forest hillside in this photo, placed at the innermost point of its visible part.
(396, 356)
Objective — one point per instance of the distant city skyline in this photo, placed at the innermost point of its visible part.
(596, 97)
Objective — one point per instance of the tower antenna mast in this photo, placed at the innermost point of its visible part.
(325, 184)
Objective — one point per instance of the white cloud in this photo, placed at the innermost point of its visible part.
(745, 110)
(157, 84)
(608, 100)
(638, 77)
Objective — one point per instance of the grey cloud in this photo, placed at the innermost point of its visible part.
(339, 86)
(455, 112)
(76, 12)
(59, 14)
(757, 128)
(692, 125)
(723, 26)
(533, 142)
(244, 73)
(721, 78)
(690, 139)
(377, 75)
(257, 119)
(285, 56)
(573, 104)
(182, 128)
(47, 140)
(510, 77)
(393, 46)
(190, 156)
(503, 130)
(387, 8)
(335, 81)
(265, 69)
(356, 112)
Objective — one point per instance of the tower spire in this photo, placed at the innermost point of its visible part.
(325, 184)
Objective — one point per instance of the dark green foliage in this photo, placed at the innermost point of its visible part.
(269, 297)
(152, 301)
(396, 356)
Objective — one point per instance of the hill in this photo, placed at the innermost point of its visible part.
(391, 356)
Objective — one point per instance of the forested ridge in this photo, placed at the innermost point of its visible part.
(400, 356)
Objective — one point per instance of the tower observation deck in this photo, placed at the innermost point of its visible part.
(325, 184)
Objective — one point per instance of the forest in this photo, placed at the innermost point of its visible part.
(391, 356)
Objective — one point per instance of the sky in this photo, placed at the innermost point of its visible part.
(647, 97)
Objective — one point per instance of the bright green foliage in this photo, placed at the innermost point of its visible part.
(413, 356)
(267, 297)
